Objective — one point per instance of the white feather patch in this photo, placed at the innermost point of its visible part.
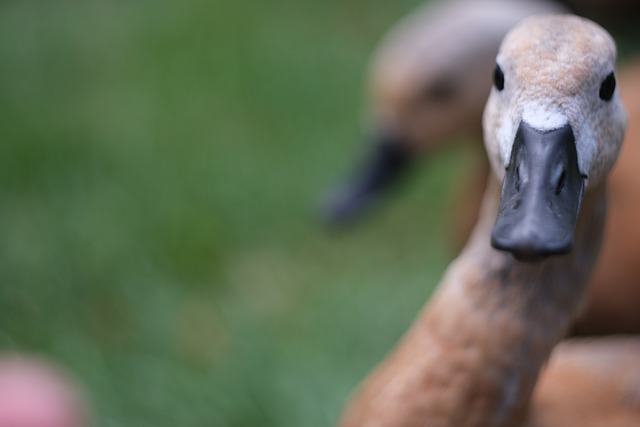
(543, 117)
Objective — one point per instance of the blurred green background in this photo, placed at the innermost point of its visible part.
(159, 166)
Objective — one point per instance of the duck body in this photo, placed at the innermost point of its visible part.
(589, 383)
(474, 354)
(614, 293)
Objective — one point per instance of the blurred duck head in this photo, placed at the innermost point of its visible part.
(428, 85)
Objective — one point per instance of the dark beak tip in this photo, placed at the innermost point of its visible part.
(338, 208)
(531, 249)
(382, 169)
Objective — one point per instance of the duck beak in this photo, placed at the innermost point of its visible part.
(541, 195)
(384, 165)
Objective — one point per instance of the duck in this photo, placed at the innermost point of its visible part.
(426, 87)
(421, 102)
(489, 347)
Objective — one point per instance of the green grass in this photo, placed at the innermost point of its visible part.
(158, 167)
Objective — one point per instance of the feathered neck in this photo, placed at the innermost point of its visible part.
(473, 355)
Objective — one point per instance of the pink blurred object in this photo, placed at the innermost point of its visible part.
(33, 393)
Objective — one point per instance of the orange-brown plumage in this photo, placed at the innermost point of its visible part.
(405, 65)
(614, 295)
(589, 383)
(474, 354)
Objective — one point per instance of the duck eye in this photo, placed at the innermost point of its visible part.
(498, 78)
(441, 90)
(607, 87)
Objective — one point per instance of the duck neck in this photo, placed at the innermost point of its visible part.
(473, 355)
(510, 314)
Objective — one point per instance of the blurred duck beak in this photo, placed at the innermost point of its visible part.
(384, 165)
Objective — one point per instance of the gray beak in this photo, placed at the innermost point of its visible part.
(383, 166)
(541, 195)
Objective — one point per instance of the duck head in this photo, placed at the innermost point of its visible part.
(427, 86)
(553, 128)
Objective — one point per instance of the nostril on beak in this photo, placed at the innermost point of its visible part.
(560, 182)
(560, 185)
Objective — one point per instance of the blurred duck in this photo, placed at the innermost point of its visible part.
(428, 84)
(553, 125)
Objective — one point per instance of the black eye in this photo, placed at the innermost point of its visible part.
(441, 90)
(607, 87)
(498, 78)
